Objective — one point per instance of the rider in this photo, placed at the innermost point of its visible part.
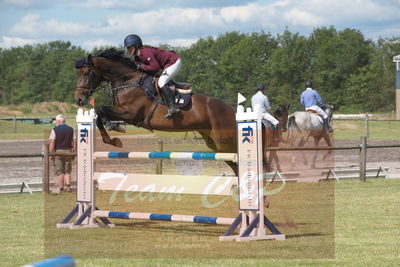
(310, 99)
(153, 60)
(262, 100)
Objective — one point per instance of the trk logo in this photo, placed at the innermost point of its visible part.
(83, 134)
(247, 133)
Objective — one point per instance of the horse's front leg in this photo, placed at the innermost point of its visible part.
(316, 144)
(104, 114)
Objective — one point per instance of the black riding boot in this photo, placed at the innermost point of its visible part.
(169, 101)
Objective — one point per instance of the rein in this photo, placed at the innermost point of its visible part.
(114, 90)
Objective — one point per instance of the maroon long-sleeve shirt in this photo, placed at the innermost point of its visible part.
(154, 60)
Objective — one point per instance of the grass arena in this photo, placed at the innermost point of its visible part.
(346, 223)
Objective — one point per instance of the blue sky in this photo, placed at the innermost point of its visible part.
(90, 23)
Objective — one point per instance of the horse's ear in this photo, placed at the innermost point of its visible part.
(89, 60)
(79, 62)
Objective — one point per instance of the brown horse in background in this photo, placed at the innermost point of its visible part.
(213, 119)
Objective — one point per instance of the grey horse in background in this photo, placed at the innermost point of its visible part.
(306, 124)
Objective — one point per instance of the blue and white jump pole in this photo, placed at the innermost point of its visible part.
(250, 221)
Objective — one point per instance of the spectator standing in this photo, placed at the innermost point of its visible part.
(62, 139)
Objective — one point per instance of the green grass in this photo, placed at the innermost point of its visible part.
(24, 131)
(363, 232)
(381, 130)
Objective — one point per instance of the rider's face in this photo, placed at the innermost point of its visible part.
(131, 50)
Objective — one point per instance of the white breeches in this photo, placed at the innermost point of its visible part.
(268, 117)
(319, 110)
(169, 73)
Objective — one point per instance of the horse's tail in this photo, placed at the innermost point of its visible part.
(292, 129)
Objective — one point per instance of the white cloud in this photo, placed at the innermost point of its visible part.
(8, 42)
(90, 44)
(183, 25)
(344, 11)
(154, 4)
(168, 21)
(255, 16)
(138, 4)
(296, 17)
(28, 3)
(178, 42)
(31, 25)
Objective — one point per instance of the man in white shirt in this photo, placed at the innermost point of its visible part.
(260, 99)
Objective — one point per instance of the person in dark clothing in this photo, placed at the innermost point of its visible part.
(154, 60)
(62, 139)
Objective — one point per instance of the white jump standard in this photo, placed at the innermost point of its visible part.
(251, 221)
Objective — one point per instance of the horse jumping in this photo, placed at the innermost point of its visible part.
(213, 119)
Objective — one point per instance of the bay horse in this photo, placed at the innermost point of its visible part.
(308, 124)
(213, 119)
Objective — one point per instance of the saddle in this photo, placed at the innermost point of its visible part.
(181, 91)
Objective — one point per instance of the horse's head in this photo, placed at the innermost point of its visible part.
(281, 114)
(328, 108)
(87, 79)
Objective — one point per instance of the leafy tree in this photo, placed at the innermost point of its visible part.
(288, 68)
(336, 56)
(354, 74)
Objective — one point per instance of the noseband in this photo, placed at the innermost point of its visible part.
(90, 83)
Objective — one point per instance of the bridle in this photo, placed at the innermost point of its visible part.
(90, 83)
(112, 90)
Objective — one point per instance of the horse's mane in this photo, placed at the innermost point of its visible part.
(116, 55)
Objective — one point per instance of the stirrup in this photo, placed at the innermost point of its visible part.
(171, 111)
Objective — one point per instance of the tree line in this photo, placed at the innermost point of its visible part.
(351, 72)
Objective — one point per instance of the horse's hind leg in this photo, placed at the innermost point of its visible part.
(217, 144)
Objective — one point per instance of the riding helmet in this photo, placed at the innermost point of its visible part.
(309, 84)
(132, 40)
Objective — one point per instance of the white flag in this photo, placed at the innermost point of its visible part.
(241, 98)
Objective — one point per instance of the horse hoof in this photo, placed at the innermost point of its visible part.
(267, 201)
(116, 142)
